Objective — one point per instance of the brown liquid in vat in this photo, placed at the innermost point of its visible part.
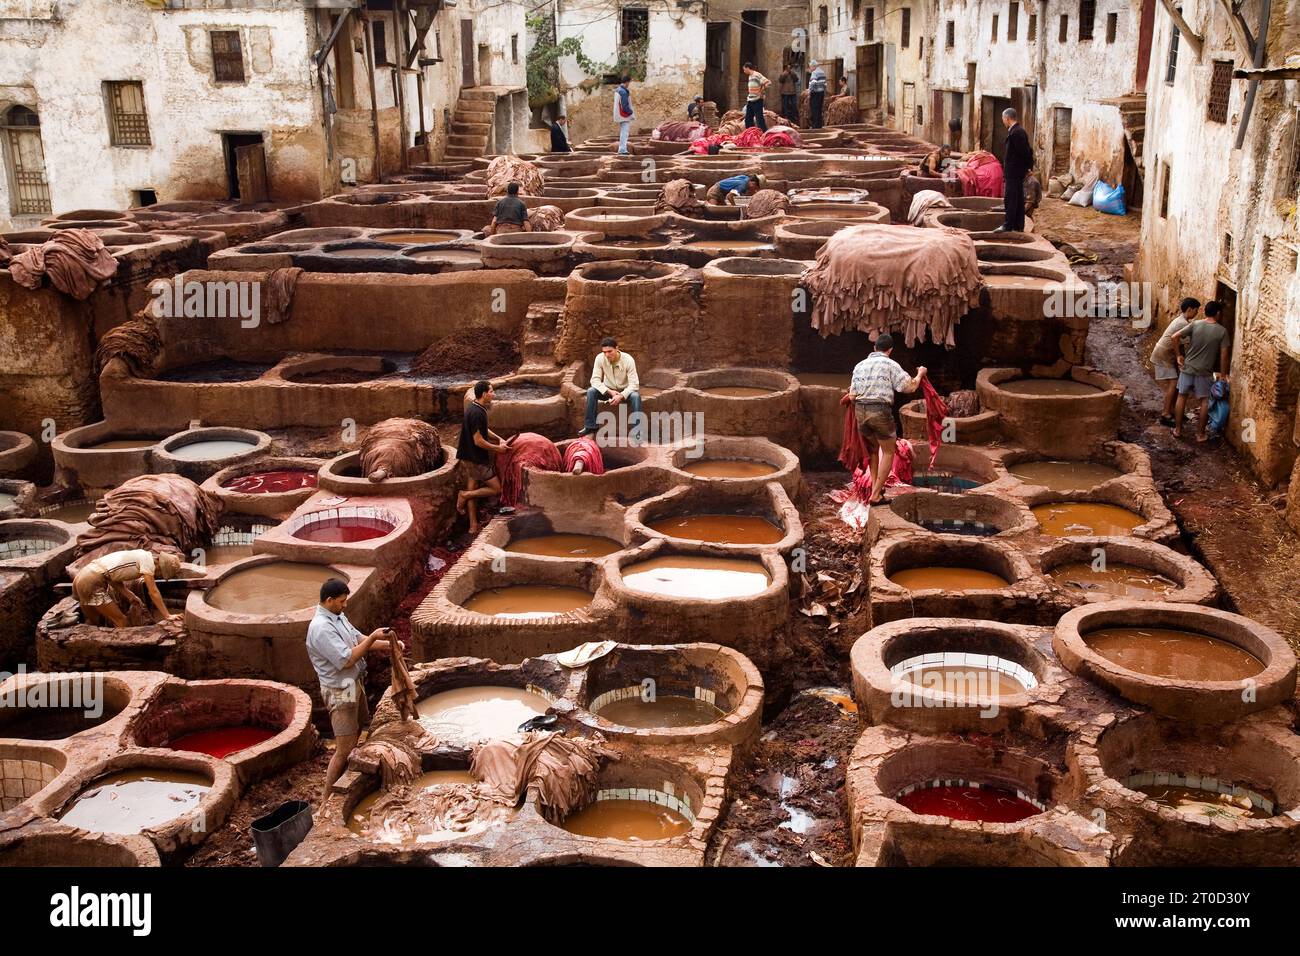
(405, 238)
(528, 600)
(964, 680)
(1066, 518)
(360, 822)
(565, 545)
(1116, 580)
(720, 529)
(664, 711)
(131, 801)
(729, 468)
(275, 588)
(1175, 654)
(737, 391)
(1064, 475)
(123, 443)
(724, 245)
(947, 579)
(1194, 800)
(1048, 386)
(626, 820)
(693, 576)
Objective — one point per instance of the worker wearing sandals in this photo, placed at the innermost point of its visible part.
(875, 380)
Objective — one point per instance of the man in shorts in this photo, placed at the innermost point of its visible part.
(104, 587)
(1164, 357)
(338, 654)
(477, 445)
(1199, 346)
(875, 381)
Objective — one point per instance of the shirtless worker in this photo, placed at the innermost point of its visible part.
(103, 586)
(875, 380)
(478, 444)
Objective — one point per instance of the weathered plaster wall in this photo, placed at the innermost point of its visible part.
(902, 65)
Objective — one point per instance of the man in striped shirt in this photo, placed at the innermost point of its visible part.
(875, 381)
(756, 87)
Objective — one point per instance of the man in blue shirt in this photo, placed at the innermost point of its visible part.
(725, 191)
(875, 381)
(338, 654)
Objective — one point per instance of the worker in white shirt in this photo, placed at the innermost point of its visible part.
(613, 380)
(103, 587)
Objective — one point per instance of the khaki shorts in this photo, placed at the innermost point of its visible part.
(349, 710)
(480, 473)
(875, 420)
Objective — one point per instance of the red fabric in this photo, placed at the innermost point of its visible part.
(525, 450)
(900, 473)
(981, 176)
(750, 138)
(779, 137)
(584, 450)
(853, 451)
(936, 410)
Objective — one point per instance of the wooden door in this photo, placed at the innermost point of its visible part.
(467, 53)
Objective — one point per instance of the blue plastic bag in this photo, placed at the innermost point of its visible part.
(1109, 199)
(1217, 419)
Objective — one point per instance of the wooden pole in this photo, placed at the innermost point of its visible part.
(374, 101)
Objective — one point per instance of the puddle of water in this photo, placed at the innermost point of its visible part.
(801, 821)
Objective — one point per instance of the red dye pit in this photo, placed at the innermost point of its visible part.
(343, 530)
(222, 741)
(272, 482)
(985, 804)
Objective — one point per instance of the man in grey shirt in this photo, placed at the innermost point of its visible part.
(1199, 346)
(338, 655)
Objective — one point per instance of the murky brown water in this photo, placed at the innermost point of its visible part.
(692, 576)
(1204, 803)
(738, 391)
(7, 500)
(275, 588)
(725, 245)
(448, 255)
(360, 253)
(1116, 580)
(663, 711)
(528, 600)
(947, 578)
(360, 822)
(1048, 386)
(565, 545)
(468, 714)
(720, 528)
(72, 512)
(1172, 653)
(1064, 475)
(627, 820)
(403, 238)
(208, 450)
(131, 801)
(122, 443)
(965, 680)
(1067, 518)
(729, 468)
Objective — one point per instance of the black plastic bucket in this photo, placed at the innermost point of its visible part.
(276, 834)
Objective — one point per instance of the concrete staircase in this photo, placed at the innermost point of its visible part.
(541, 326)
(471, 124)
(1133, 114)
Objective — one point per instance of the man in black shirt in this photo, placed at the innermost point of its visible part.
(695, 109)
(511, 214)
(477, 445)
(1018, 161)
(559, 140)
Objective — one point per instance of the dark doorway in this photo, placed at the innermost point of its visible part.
(1227, 297)
(752, 25)
(868, 70)
(230, 143)
(468, 53)
(1061, 134)
(993, 135)
(1132, 179)
(717, 44)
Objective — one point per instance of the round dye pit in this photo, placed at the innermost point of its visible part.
(26, 543)
(524, 601)
(342, 530)
(526, 392)
(1117, 580)
(720, 528)
(693, 576)
(222, 370)
(565, 545)
(71, 512)
(1064, 475)
(1187, 794)
(948, 482)
(1048, 386)
(622, 819)
(414, 238)
(840, 380)
(1069, 518)
(272, 482)
(948, 579)
(468, 715)
(1174, 654)
(738, 391)
(222, 742)
(398, 825)
(965, 800)
(211, 449)
(279, 587)
(131, 801)
(665, 710)
(124, 443)
(729, 468)
(964, 676)
(718, 246)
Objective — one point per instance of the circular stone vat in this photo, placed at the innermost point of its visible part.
(26, 538)
(1092, 518)
(1060, 475)
(952, 577)
(527, 601)
(1111, 569)
(643, 801)
(137, 799)
(337, 527)
(720, 247)
(971, 221)
(526, 249)
(217, 371)
(930, 575)
(969, 800)
(956, 470)
(849, 213)
(623, 269)
(564, 544)
(743, 266)
(73, 848)
(698, 577)
(269, 486)
(729, 468)
(197, 453)
(313, 236)
(55, 707)
(616, 220)
(1031, 410)
(276, 587)
(419, 236)
(1057, 387)
(468, 715)
(1183, 660)
(719, 528)
(405, 824)
(741, 383)
(974, 515)
(25, 771)
(277, 481)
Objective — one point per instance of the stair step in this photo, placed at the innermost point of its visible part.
(462, 152)
(467, 127)
(476, 93)
(457, 139)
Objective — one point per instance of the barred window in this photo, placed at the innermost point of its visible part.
(1220, 89)
(1087, 17)
(127, 123)
(906, 39)
(1112, 26)
(871, 23)
(1033, 28)
(1013, 21)
(227, 56)
(993, 33)
(1065, 28)
(951, 39)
